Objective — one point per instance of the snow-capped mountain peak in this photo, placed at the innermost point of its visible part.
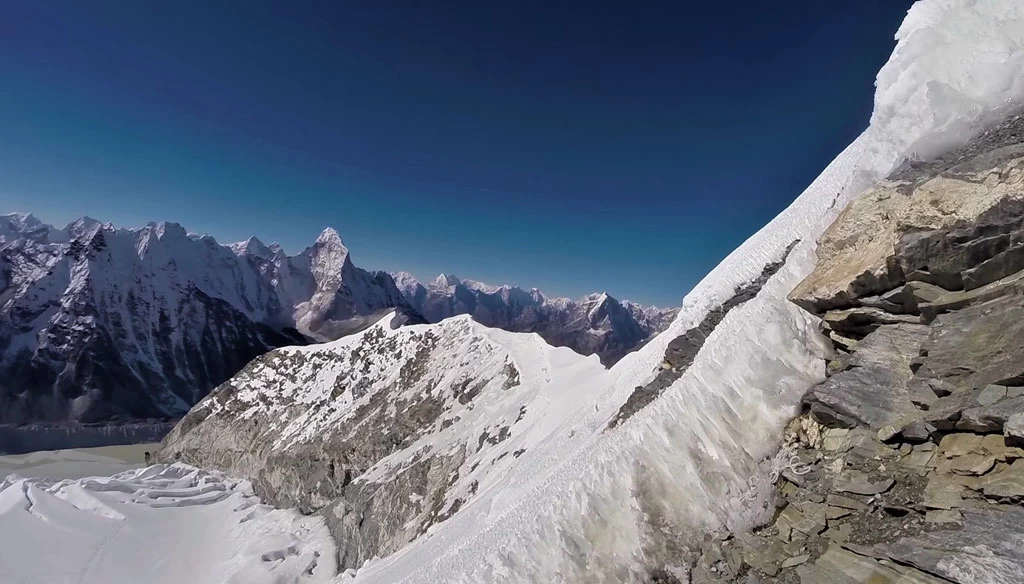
(252, 247)
(445, 281)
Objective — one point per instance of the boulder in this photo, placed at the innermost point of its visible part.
(874, 391)
(960, 444)
(986, 549)
(1013, 429)
(990, 418)
(863, 320)
(858, 483)
(917, 293)
(973, 464)
(990, 394)
(942, 493)
(979, 345)
(840, 566)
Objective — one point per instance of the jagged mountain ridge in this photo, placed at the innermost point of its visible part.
(595, 324)
(99, 323)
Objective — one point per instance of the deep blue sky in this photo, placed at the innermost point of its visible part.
(614, 146)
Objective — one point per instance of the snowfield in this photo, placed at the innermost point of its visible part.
(162, 524)
(583, 502)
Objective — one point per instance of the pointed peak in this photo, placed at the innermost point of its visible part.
(404, 278)
(446, 281)
(329, 237)
(166, 229)
(22, 219)
(252, 247)
(84, 227)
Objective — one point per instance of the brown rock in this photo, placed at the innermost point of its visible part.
(960, 444)
(973, 464)
(942, 493)
(1008, 483)
(860, 484)
(857, 254)
(845, 502)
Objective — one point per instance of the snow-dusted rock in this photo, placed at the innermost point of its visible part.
(595, 324)
(389, 431)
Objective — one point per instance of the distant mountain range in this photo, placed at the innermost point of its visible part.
(595, 324)
(99, 323)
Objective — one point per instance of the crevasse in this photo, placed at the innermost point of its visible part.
(587, 504)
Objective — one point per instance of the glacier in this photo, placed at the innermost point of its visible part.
(589, 503)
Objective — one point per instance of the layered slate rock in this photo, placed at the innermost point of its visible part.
(907, 463)
(873, 389)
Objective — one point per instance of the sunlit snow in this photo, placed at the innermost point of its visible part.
(583, 503)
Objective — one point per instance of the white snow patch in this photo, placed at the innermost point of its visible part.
(161, 524)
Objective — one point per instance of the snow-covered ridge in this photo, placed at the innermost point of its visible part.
(350, 427)
(595, 324)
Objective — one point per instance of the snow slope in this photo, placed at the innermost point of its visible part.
(680, 467)
(161, 524)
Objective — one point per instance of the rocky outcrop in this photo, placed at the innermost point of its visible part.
(906, 465)
(955, 225)
(597, 324)
(99, 324)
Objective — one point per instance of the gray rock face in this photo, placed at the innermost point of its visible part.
(594, 325)
(992, 554)
(106, 324)
(874, 390)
